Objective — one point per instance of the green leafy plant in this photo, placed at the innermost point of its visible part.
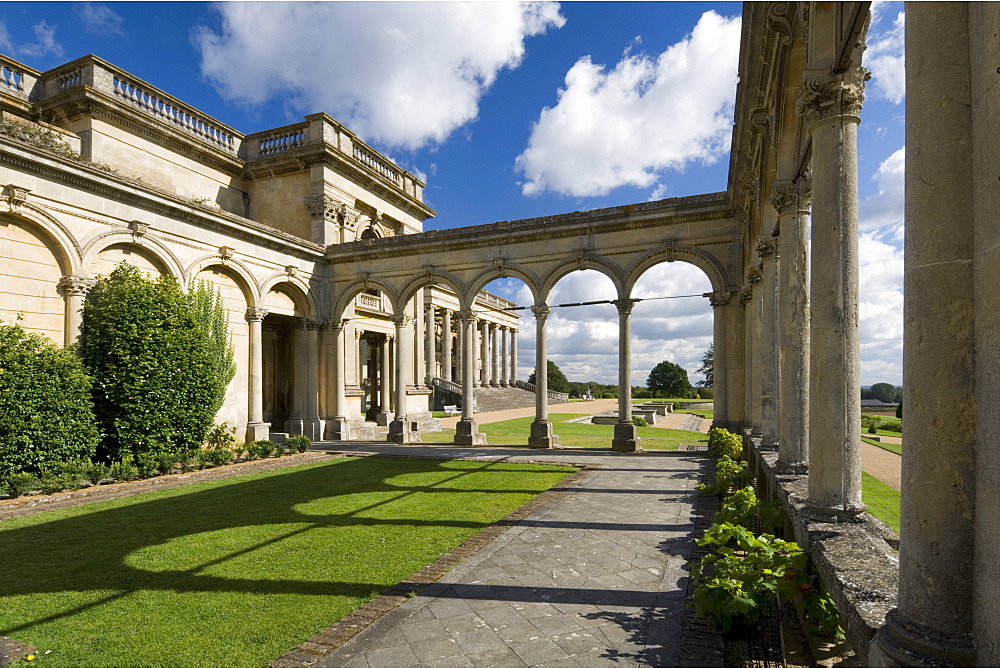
(298, 443)
(724, 442)
(729, 474)
(240, 451)
(52, 480)
(261, 449)
(124, 470)
(37, 136)
(221, 436)
(96, 472)
(639, 421)
(166, 462)
(744, 509)
(147, 465)
(19, 484)
(278, 449)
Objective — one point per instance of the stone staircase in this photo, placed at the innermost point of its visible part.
(503, 398)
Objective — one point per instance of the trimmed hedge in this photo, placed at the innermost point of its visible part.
(46, 416)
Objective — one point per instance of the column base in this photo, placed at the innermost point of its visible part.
(768, 445)
(625, 439)
(823, 513)
(719, 424)
(313, 429)
(337, 429)
(542, 436)
(467, 433)
(295, 426)
(258, 431)
(383, 418)
(400, 432)
(902, 643)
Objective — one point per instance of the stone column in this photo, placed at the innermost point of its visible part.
(495, 354)
(755, 340)
(942, 597)
(297, 342)
(735, 362)
(625, 438)
(446, 344)
(830, 104)
(74, 290)
(505, 356)
(767, 249)
(720, 372)
(541, 429)
(340, 427)
(513, 357)
(399, 428)
(313, 426)
(481, 347)
(746, 300)
(791, 199)
(467, 431)
(385, 413)
(430, 349)
(257, 429)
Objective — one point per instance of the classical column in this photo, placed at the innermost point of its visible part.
(791, 199)
(746, 300)
(481, 347)
(513, 357)
(735, 362)
(830, 103)
(399, 428)
(313, 426)
(755, 323)
(257, 429)
(541, 429)
(494, 354)
(504, 356)
(297, 343)
(625, 437)
(466, 430)
(429, 347)
(946, 610)
(385, 413)
(446, 343)
(74, 290)
(767, 249)
(339, 429)
(720, 372)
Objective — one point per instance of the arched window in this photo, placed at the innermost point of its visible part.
(369, 233)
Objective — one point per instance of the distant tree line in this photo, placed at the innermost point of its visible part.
(884, 392)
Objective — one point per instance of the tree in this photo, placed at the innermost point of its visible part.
(884, 392)
(46, 416)
(156, 370)
(669, 379)
(707, 368)
(556, 379)
(212, 319)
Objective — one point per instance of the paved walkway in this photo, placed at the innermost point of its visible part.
(884, 465)
(595, 577)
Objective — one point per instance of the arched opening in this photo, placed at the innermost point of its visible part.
(31, 266)
(141, 258)
(283, 356)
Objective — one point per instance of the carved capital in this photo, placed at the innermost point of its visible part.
(717, 299)
(339, 324)
(624, 306)
(75, 286)
(17, 196)
(328, 208)
(541, 311)
(254, 314)
(746, 296)
(401, 320)
(830, 95)
(767, 247)
(792, 196)
(754, 275)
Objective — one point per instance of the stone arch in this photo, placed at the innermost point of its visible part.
(70, 253)
(428, 279)
(480, 280)
(597, 263)
(157, 255)
(34, 258)
(708, 264)
(239, 271)
(291, 298)
(302, 293)
(352, 290)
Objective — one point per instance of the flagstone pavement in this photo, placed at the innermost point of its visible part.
(597, 576)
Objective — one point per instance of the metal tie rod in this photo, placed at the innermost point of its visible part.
(602, 301)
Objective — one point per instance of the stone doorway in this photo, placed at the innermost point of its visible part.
(278, 368)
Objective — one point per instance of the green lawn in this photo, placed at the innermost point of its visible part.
(883, 432)
(891, 447)
(576, 435)
(882, 500)
(239, 571)
(708, 413)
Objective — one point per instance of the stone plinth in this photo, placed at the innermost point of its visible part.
(542, 436)
(625, 439)
(467, 433)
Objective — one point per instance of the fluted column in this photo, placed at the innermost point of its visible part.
(830, 104)
(625, 436)
(313, 426)
(541, 429)
(74, 290)
(791, 199)
(505, 356)
(466, 430)
(767, 249)
(513, 357)
(720, 370)
(399, 428)
(257, 429)
(747, 301)
(446, 343)
(430, 350)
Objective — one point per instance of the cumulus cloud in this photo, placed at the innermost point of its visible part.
(881, 309)
(45, 42)
(885, 208)
(401, 74)
(624, 126)
(884, 56)
(99, 19)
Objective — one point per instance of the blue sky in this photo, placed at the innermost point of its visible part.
(511, 111)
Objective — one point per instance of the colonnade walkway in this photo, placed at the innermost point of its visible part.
(595, 576)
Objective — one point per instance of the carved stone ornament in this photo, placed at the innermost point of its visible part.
(830, 95)
(792, 196)
(541, 311)
(328, 208)
(402, 320)
(754, 275)
(255, 314)
(226, 253)
(339, 324)
(75, 286)
(717, 299)
(625, 306)
(139, 230)
(291, 270)
(767, 246)
(17, 196)
(468, 315)
(746, 296)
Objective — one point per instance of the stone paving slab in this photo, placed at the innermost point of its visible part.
(595, 577)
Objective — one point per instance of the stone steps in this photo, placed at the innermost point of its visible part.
(490, 399)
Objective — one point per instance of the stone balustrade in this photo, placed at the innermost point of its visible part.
(16, 80)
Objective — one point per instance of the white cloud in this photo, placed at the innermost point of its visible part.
(99, 19)
(881, 310)
(45, 42)
(885, 208)
(626, 125)
(884, 58)
(402, 74)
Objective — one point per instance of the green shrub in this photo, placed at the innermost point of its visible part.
(46, 416)
(872, 430)
(76, 470)
(639, 421)
(261, 449)
(298, 443)
(166, 462)
(219, 457)
(240, 451)
(96, 472)
(19, 484)
(744, 509)
(893, 425)
(52, 480)
(278, 449)
(221, 436)
(147, 465)
(722, 442)
(124, 470)
(155, 365)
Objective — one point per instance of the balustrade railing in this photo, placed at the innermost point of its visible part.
(446, 385)
(370, 301)
(552, 394)
(281, 140)
(378, 164)
(16, 79)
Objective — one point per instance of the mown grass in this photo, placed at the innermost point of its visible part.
(891, 447)
(239, 571)
(882, 500)
(576, 434)
(708, 413)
